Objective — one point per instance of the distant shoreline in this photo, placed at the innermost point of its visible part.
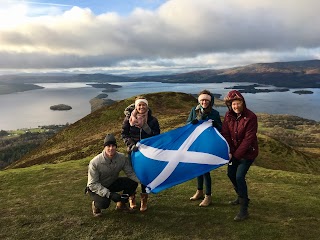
(6, 88)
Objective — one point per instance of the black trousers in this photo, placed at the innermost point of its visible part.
(124, 184)
(237, 174)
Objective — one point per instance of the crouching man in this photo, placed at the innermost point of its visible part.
(104, 182)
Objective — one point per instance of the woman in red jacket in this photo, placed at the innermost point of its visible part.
(239, 128)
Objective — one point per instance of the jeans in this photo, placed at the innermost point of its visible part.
(124, 184)
(237, 171)
(143, 187)
(207, 180)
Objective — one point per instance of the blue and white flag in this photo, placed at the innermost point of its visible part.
(179, 155)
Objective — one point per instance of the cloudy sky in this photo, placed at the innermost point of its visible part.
(149, 35)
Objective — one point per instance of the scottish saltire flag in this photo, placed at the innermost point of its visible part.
(179, 155)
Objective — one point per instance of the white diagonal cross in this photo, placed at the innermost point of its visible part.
(173, 156)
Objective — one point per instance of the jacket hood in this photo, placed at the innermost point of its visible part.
(234, 95)
(212, 100)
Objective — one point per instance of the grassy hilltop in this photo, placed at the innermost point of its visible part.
(41, 200)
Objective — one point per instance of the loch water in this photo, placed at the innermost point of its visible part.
(32, 108)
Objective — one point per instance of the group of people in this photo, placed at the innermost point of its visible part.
(239, 128)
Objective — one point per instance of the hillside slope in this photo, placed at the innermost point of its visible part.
(84, 138)
(47, 202)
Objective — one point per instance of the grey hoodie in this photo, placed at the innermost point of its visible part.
(103, 171)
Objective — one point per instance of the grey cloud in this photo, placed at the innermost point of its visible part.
(178, 29)
(43, 61)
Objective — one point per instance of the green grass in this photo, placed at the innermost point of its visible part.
(47, 202)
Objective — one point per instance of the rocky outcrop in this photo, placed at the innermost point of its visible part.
(97, 103)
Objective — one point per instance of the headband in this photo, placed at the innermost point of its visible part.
(204, 97)
(140, 100)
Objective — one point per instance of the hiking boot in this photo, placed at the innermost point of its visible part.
(243, 214)
(132, 201)
(122, 207)
(144, 202)
(206, 201)
(234, 202)
(96, 211)
(198, 195)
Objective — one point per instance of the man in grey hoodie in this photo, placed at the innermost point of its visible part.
(104, 181)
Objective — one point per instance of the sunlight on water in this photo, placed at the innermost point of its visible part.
(63, 85)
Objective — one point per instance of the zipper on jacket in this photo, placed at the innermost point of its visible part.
(236, 132)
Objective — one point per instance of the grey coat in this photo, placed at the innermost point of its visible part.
(103, 171)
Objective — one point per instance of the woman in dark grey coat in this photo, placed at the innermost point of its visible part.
(138, 124)
(204, 111)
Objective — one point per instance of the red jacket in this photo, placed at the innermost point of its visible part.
(241, 134)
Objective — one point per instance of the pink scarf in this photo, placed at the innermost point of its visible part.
(138, 119)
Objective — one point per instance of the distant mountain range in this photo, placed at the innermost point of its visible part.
(298, 74)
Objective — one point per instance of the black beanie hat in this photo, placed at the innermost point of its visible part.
(110, 139)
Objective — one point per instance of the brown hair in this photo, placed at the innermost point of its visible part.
(205, 91)
(140, 97)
